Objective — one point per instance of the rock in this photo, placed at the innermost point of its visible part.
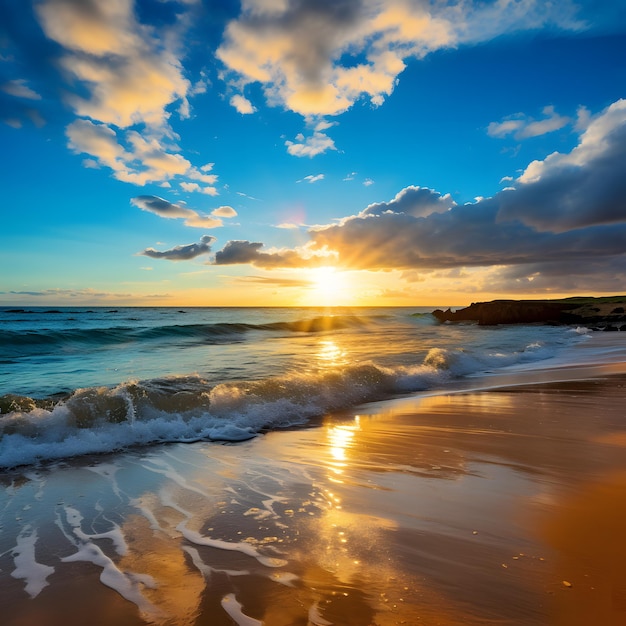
(567, 311)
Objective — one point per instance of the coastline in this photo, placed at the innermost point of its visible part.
(503, 504)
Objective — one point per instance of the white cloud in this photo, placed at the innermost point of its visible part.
(209, 179)
(189, 187)
(135, 158)
(318, 143)
(126, 77)
(224, 211)
(99, 140)
(323, 125)
(242, 105)
(131, 74)
(312, 178)
(210, 191)
(524, 127)
(319, 58)
(583, 118)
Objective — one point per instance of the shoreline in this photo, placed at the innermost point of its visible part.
(496, 503)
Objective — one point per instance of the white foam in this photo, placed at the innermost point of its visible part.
(284, 578)
(315, 619)
(233, 608)
(207, 570)
(26, 566)
(237, 546)
(127, 584)
(168, 471)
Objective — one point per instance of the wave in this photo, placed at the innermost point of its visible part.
(189, 408)
(19, 341)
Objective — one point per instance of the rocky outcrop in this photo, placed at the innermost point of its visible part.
(603, 312)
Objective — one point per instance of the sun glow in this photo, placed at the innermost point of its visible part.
(329, 287)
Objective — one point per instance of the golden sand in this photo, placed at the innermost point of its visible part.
(505, 506)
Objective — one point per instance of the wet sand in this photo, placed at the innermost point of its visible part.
(505, 506)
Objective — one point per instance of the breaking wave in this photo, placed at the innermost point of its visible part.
(190, 408)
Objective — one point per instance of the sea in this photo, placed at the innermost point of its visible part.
(77, 381)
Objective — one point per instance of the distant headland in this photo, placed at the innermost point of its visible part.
(605, 313)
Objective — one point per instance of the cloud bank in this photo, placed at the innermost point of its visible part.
(559, 210)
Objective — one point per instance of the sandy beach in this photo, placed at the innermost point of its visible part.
(503, 506)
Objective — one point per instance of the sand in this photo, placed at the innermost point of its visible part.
(505, 506)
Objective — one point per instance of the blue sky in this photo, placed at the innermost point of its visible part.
(283, 152)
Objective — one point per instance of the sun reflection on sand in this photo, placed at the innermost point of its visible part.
(179, 589)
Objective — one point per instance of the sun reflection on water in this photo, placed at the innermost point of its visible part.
(340, 440)
(329, 354)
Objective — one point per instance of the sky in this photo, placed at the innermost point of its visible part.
(311, 152)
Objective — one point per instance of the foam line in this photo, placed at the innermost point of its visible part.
(127, 584)
(207, 570)
(233, 608)
(240, 546)
(26, 566)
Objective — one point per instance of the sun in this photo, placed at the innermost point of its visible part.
(329, 287)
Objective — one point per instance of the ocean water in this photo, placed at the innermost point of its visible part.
(93, 380)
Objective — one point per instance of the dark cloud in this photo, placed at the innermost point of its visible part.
(594, 275)
(161, 207)
(568, 208)
(238, 252)
(249, 252)
(182, 253)
(584, 188)
(469, 235)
